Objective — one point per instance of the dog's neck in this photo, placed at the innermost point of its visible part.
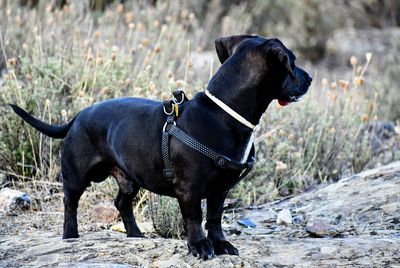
(240, 90)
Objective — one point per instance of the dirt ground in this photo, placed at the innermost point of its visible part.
(359, 215)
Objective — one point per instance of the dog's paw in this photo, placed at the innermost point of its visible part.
(70, 235)
(138, 235)
(224, 247)
(202, 249)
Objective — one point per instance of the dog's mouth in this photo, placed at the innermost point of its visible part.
(292, 98)
(283, 103)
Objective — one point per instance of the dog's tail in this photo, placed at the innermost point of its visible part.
(57, 132)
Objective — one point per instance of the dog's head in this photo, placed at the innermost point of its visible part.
(269, 62)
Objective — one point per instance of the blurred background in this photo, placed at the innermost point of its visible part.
(60, 56)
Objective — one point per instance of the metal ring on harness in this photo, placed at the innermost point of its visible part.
(172, 109)
(182, 99)
(166, 124)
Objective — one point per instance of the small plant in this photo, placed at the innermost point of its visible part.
(166, 216)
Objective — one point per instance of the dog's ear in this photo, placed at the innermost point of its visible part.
(283, 58)
(226, 45)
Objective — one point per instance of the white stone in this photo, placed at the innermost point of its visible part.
(284, 217)
(11, 199)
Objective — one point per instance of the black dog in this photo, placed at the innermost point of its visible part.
(122, 137)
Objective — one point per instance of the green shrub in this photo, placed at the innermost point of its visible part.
(166, 216)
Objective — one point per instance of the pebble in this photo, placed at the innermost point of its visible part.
(258, 231)
(322, 229)
(298, 219)
(11, 199)
(119, 227)
(284, 217)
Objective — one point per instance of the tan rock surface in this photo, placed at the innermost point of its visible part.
(365, 207)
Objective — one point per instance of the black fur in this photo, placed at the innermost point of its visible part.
(57, 132)
(122, 137)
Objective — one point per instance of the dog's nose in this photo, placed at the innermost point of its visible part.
(309, 78)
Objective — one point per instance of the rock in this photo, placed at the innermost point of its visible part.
(284, 217)
(322, 229)
(94, 265)
(246, 222)
(328, 250)
(369, 200)
(172, 261)
(298, 219)
(11, 199)
(105, 213)
(258, 231)
(146, 227)
(85, 257)
(119, 227)
(231, 229)
(48, 259)
(47, 248)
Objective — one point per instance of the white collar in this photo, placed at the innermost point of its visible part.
(229, 110)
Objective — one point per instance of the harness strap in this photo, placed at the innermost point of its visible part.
(170, 129)
(220, 160)
(168, 172)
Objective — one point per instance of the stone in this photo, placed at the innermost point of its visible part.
(11, 199)
(94, 265)
(48, 248)
(258, 231)
(146, 227)
(298, 219)
(332, 205)
(48, 259)
(119, 227)
(322, 229)
(86, 257)
(105, 213)
(328, 250)
(284, 217)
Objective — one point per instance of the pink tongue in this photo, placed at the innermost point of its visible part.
(283, 103)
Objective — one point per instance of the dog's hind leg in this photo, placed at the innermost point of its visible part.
(73, 190)
(71, 199)
(215, 204)
(127, 191)
(80, 164)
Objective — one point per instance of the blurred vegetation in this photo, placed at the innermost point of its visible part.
(55, 61)
(166, 216)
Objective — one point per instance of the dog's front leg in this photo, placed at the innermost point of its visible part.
(198, 244)
(215, 204)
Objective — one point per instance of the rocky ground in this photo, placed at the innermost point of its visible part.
(352, 223)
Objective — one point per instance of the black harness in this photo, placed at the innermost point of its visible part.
(171, 108)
